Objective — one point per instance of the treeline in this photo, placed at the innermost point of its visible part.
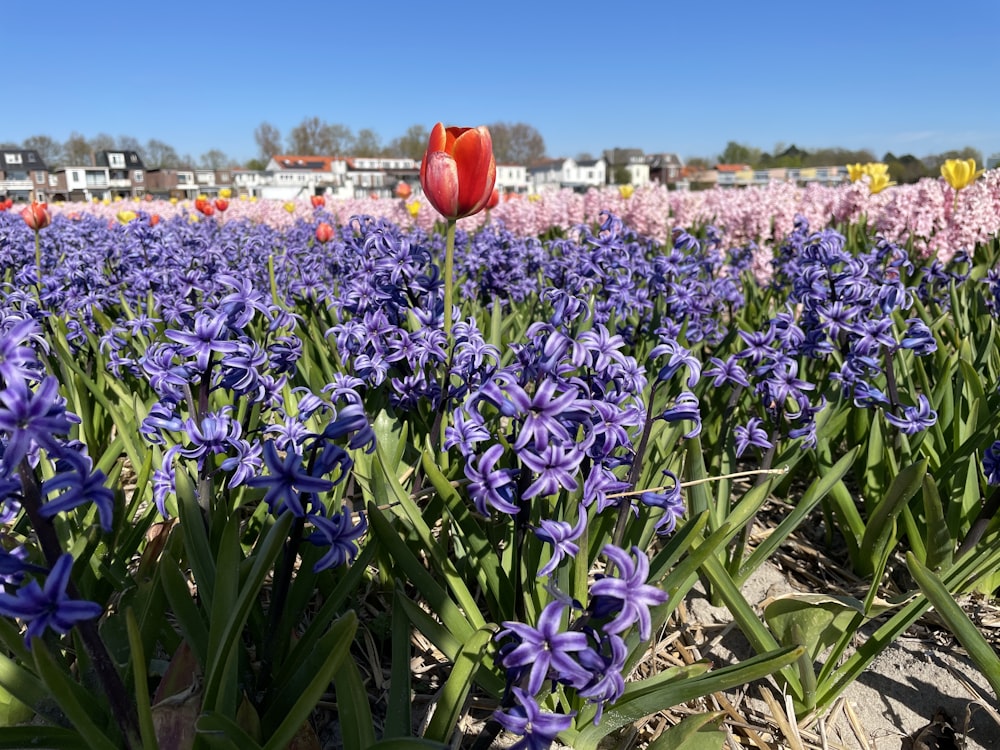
(513, 143)
(905, 168)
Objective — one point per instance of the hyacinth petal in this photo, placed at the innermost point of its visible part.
(441, 183)
(473, 150)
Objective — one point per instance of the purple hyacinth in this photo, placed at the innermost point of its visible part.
(48, 607)
(627, 596)
(544, 651)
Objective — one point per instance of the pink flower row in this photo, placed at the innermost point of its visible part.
(938, 220)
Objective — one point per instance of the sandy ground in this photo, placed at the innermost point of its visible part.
(897, 696)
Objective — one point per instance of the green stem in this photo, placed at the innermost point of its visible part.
(449, 280)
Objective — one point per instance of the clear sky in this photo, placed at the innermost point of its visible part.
(661, 75)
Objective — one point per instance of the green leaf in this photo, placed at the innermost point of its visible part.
(398, 720)
(73, 699)
(636, 704)
(185, 611)
(980, 651)
(195, 536)
(814, 621)
(817, 491)
(408, 743)
(353, 711)
(45, 738)
(217, 730)
(291, 709)
(224, 647)
(693, 733)
(940, 546)
(143, 706)
(456, 689)
(409, 566)
(880, 530)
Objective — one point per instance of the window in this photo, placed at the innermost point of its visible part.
(137, 175)
(133, 158)
(116, 160)
(223, 177)
(74, 176)
(12, 158)
(40, 178)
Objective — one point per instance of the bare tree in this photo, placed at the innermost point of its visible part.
(314, 137)
(77, 151)
(367, 143)
(215, 159)
(48, 149)
(268, 140)
(160, 155)
(516, 143)
(411, 144)
(129, 143)
(103, 142)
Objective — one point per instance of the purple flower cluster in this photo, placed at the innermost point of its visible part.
(586, 655)
(35, 441)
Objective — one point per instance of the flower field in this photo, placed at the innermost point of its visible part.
(230, 432)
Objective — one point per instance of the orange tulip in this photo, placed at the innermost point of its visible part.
(37, 216)
(458, 171)
(318, 201)
(403, 190)
(154, 220)
(324, 232)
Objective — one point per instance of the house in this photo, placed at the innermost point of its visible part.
(512, 178)
(553, 174)
(80, 183)
(369, 175)
(288, 176)
(665, 168)
(627, 166)
(23, 175)
(126, 173)
(172, 183)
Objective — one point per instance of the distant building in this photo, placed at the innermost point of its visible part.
(23, 175)
(126, 173)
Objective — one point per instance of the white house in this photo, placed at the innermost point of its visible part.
(554, 174)
(512, 178)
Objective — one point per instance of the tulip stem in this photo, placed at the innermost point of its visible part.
(449, 280)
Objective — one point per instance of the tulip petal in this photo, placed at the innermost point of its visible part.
(476, 169)
(439, 176)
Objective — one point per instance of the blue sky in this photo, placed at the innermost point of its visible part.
(661, 76)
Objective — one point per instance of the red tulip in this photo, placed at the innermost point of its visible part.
(403, 190)
(324, 232)
(221, 204)
(494, 199)
(37, 216)
(154, 220)
(204, 205)
(458, 171)
(318, 201)
(8, 203)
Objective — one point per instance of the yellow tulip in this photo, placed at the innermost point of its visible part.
(413, 208)
(290, 207)
(879, 182)
(855, 172)
(106, 202)
(253, 198)
(173, 201)
(960, 173)
(126, 216)
(875, 169)
(225, 193)
(534, 198)
(626, 191)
